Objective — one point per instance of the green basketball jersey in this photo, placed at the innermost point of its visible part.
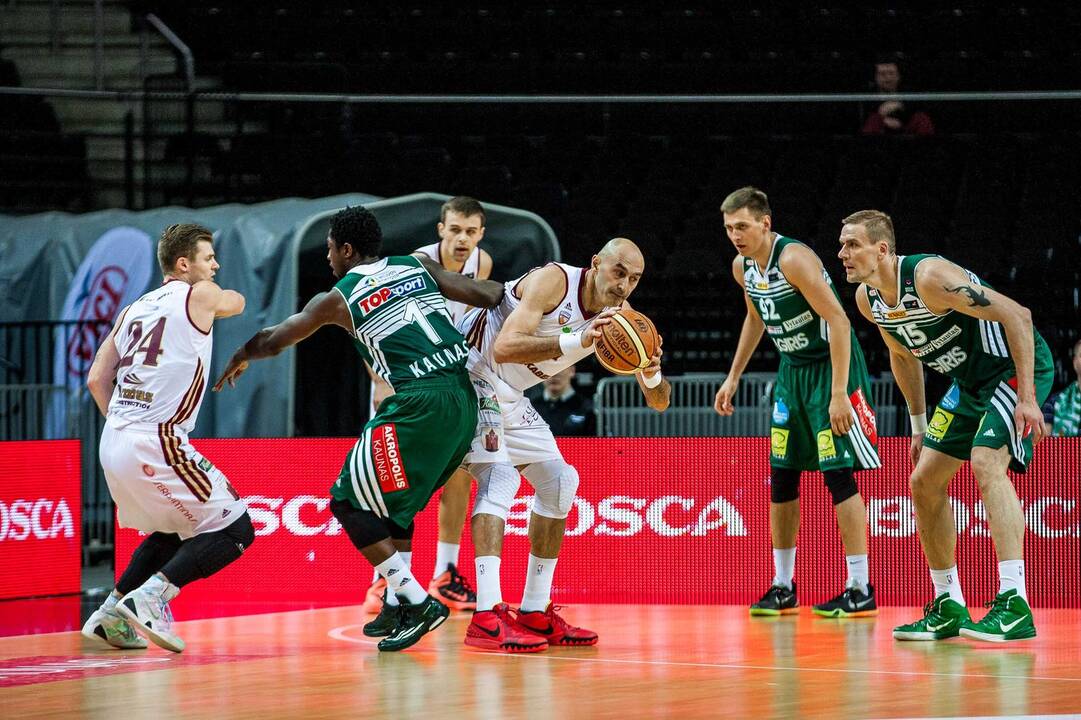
(401, 325)
(798, 332)
(971, 351)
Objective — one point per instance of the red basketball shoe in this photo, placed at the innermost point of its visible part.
(496, 629)
(453, 590)
(555, 629)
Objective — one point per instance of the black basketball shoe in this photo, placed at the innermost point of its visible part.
(853, 602)
(778, 600)
(413, 622)
(384, 623)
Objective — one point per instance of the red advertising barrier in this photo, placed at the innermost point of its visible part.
(658, 520)
(40, 518)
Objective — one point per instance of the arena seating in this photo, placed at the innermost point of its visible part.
(41, 168)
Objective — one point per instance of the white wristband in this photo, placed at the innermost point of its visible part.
(919, 423)
(651, 381)
(569, 342)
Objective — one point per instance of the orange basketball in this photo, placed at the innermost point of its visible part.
(627, 343)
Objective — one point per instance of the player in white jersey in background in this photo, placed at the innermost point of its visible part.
(460, 228)
(548, 320)
(148, 379)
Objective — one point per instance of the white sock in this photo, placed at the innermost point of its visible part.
(857, 572)
(446, 554)
(400, 580)
(158, 584)
(375, 575)
(1011, 576)
(946, 581)
(111, 601)
(388, 595)
(538, 584)
(784, 566)
(489, 592)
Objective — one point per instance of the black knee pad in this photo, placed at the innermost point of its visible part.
(397, 532)
(159, 542)
(241, 531)
(363, 527)
(841, 484)
(783, 485)
(205, 554)
(153, 553)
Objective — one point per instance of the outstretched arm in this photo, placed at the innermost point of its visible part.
(476, 293)
(943, 285)
(324, 309)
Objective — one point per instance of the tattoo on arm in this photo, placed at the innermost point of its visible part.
(975, 297)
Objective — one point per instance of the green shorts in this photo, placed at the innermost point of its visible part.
(962, 420)
(800, 434)
(410, 448)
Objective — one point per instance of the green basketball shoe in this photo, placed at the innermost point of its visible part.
(942, 619)
(1010, 618)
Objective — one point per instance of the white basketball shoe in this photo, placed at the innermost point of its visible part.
(106, 626)
(147, 608)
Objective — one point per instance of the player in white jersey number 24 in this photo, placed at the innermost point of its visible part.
(148, 379)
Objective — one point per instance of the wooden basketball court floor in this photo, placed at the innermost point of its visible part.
(651, 662)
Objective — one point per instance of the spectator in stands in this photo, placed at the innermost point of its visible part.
(893, 117)
(1068, 403)
(565, 411)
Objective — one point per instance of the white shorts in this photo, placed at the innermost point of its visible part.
(160, 483)
(509, 429)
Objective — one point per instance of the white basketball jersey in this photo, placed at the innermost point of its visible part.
(470, 269)
(482, 326)
(164, 361)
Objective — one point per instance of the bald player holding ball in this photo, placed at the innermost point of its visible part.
(548, 320)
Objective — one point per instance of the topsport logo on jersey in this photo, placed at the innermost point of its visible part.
(42, 519)
(380, 296)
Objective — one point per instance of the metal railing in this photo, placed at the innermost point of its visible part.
(43, 367)
(621, 410)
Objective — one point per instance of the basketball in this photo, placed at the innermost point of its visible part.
(627, 343)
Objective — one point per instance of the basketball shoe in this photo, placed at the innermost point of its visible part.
(778, 600)
(106, 625)
(497, 629)
(453, 590)
(853, 602)
(942, 619)
(385, 622)
(553, 628)
(414, 621)
(1010, 618)
(147, 609)
(373, 599)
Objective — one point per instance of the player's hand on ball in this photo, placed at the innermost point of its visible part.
(235, 369)
(723, 402)
(654, 366)
(593, 330)
(840, 414)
